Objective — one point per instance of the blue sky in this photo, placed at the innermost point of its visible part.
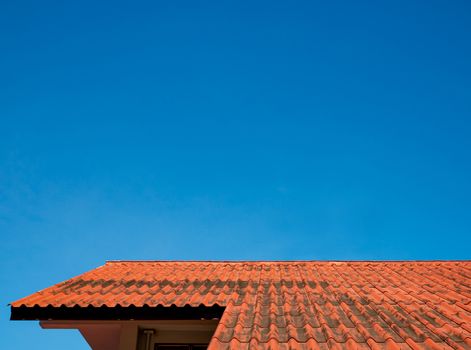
(228, 130)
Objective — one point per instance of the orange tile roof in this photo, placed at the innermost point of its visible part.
(293, 305)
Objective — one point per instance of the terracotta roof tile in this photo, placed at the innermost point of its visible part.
(293, 305)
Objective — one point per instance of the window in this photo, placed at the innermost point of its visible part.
(175, 334)
(181, 346)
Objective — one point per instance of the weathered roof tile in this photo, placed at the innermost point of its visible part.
(293, 305)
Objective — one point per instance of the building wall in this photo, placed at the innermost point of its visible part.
(129, 335)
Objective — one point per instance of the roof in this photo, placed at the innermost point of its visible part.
(292, 305)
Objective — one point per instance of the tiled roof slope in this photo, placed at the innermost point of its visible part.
(294, 305)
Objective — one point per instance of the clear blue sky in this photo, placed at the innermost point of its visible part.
(228, 130)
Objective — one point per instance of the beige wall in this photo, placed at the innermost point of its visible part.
(124, 335)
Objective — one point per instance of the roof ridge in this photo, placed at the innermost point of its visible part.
(285, 261)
